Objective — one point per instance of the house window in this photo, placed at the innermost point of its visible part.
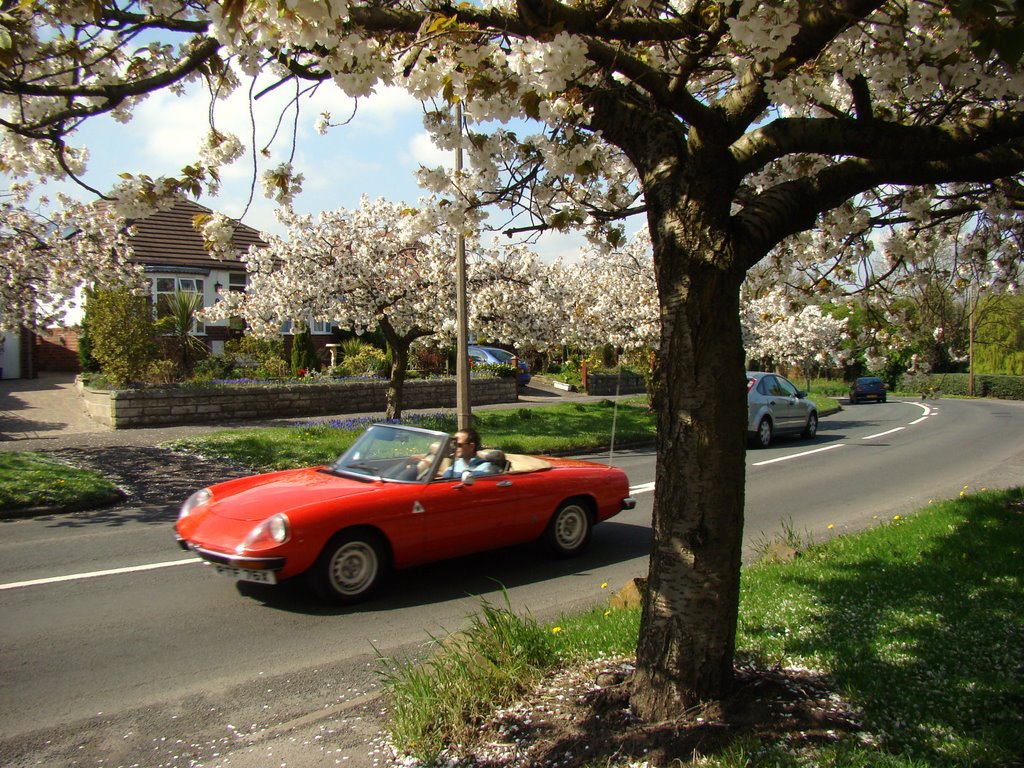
(316, 327)
(236, 282)
(164, 289)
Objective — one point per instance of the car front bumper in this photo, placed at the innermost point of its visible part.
(235, 561)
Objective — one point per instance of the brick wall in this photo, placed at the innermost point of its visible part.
(56, 349)
(125, 409)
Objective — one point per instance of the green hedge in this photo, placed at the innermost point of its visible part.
(985, 385)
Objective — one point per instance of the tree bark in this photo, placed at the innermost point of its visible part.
(688, 624)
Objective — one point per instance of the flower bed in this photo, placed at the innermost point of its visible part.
(130, 408)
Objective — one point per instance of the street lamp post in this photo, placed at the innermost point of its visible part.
(462, 402)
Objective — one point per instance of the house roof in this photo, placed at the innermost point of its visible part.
(167, 238)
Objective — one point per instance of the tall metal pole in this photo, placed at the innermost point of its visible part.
(972, 305)
(462, 402)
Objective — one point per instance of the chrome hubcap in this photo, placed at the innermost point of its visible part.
(571, 527)
(353, 567)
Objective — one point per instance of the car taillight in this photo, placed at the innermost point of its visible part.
(750, 385)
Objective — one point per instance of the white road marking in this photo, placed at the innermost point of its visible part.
(797, 455)
(95, 574)
(644, 488)
(883, 434)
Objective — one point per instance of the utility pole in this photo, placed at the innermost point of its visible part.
(972, 305)
(462, 401)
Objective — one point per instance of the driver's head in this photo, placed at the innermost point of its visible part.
(466, 443)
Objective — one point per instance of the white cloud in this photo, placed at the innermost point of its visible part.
(423, 151)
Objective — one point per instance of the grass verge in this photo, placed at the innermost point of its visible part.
(918, 623)
(30, 480)
(568, 427)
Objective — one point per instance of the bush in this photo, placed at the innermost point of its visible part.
(499, 370)
(304, 357)
(215, 367)
(366, 360)
(266, 352)
(122, 333)
(958, 384)
(161, 372)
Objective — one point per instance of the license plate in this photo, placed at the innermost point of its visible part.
(245, 574)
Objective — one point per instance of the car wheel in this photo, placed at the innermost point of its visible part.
(763, 436)
(350, 566)
(882, 400)
(568, 533)
(811, 427)
(853, 400)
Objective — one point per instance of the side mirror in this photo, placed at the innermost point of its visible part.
(468, 478)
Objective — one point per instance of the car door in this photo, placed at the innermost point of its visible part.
(788, 408)
(460, 518)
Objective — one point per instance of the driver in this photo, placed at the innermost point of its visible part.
(466, 443)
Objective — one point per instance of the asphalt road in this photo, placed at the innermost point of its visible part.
(118, 649)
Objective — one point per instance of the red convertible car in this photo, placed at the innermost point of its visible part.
(386, 503)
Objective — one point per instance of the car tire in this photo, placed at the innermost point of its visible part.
(568, 532)
(350, 567)
(882, 400)
(762, 438)
(811, 427)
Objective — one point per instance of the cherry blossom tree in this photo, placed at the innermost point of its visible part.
(379, 266)
(47, 257)
(792, 334)
(794, 135)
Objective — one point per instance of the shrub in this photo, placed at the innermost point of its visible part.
(304, 357)
(366, 360)
(215, 367)
(161, 372)
(500, 370)
(272, 368)
(260, 350)
(86, 362)
(958, 384)
(122, 333)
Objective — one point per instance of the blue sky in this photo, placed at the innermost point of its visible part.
(375, 153)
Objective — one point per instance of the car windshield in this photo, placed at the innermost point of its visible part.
(394, 453)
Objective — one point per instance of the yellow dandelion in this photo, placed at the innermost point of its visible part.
(607, 613)
(966, 487)
(897, 518)
(962, 494)
(555, 630)
(604, 585)
(830, 526)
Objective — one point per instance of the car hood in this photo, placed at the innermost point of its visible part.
(256, 498)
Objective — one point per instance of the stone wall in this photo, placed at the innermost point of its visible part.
(611, 384)
(126, 409)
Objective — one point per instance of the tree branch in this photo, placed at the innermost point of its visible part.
(794, 206)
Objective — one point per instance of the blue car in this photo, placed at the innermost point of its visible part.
(867, 388)
(496, 356)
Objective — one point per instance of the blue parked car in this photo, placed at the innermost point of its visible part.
(496, 356)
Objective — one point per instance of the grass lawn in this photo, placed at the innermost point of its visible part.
(31, 480)
(568, 427)
(917, 625)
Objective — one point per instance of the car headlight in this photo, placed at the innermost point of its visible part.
(271, 532)
(196, 499)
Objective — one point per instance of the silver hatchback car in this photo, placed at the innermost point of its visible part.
(775, 406)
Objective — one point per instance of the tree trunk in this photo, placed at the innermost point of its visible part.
(398, 346)
(688, 624)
